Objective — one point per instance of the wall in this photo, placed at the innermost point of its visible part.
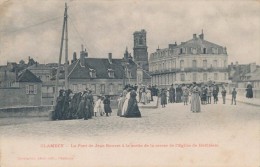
(18, 97)
(39, 111)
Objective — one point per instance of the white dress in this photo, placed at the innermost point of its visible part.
(97, 108)
(127, 97)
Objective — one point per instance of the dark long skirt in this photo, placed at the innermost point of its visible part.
(81, 109)
(132, 109)
(249, 93)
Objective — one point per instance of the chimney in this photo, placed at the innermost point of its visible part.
(158, 48)
(83, 56)
(236, 63)
(201, 36)
(194, 36)
(110, 58)
(74, 56)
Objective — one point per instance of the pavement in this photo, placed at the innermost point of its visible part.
(242, 99)
(220, 135)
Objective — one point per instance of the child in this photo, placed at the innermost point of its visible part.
(185, 95)
(234, 95)
(97, 108)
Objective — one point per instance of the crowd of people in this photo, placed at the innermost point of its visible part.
(195, 95)
(82, 105)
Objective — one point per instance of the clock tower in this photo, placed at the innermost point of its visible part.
(140, 49)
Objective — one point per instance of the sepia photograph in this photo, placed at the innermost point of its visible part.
(129, 83)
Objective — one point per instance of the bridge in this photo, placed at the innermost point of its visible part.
(224, 132)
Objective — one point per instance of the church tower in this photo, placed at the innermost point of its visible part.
(140, 49)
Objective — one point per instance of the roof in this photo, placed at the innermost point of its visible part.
(101, 66)
(28, 76)
(198, 43)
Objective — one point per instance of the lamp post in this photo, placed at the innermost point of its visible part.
(123, 63)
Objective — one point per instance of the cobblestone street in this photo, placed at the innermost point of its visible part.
(172, 135)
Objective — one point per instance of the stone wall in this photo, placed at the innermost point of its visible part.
(35, 111)
(11, 97)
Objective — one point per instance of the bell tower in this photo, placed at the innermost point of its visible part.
(140, 49)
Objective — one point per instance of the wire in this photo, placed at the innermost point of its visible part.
(30, 26)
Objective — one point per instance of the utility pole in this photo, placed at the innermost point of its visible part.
(60, 57)
(66, 50)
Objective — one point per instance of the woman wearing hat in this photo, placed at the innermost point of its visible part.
(132, 108)
(107, 107)
(249, 90)
(195, 98)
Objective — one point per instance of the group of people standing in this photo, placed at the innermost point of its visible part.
(195, 94)
(146, 94)
(127, 103)
(80, 105)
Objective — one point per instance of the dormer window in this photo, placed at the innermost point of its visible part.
(92, 73)
(111, 73)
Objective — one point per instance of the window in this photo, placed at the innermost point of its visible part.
(111, 88)
(102, 88)
(129, 74)
(120, 87)
(194, 50)
(182, 64)
(225, 63)
(140, 41)
(182, 77)
(93, 88)
(204, 50)
(173, 64)
(194, 77)
(181, 51)
(215, 63)
(111, 73)
(92, 73)
(75, 88)
(194, 64)
(205, 77)
(215, 76)
(205, 63)
(31, 89)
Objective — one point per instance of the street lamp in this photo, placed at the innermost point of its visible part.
(124, 64)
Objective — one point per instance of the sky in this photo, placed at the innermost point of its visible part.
(33, 27)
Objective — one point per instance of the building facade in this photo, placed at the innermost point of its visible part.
(196, 60)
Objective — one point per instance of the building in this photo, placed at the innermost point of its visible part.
(241, 74)
(195, 60)
(103, 75)
(25, 91)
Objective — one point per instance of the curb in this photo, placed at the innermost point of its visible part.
(248, 103)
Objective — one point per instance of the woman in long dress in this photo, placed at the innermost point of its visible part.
(102, 108)
(143, 97)
(120, 103)
(132, 108)
(163, 97)
(195, 99)
(249, 90)
(125, 105)
(107, 107)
